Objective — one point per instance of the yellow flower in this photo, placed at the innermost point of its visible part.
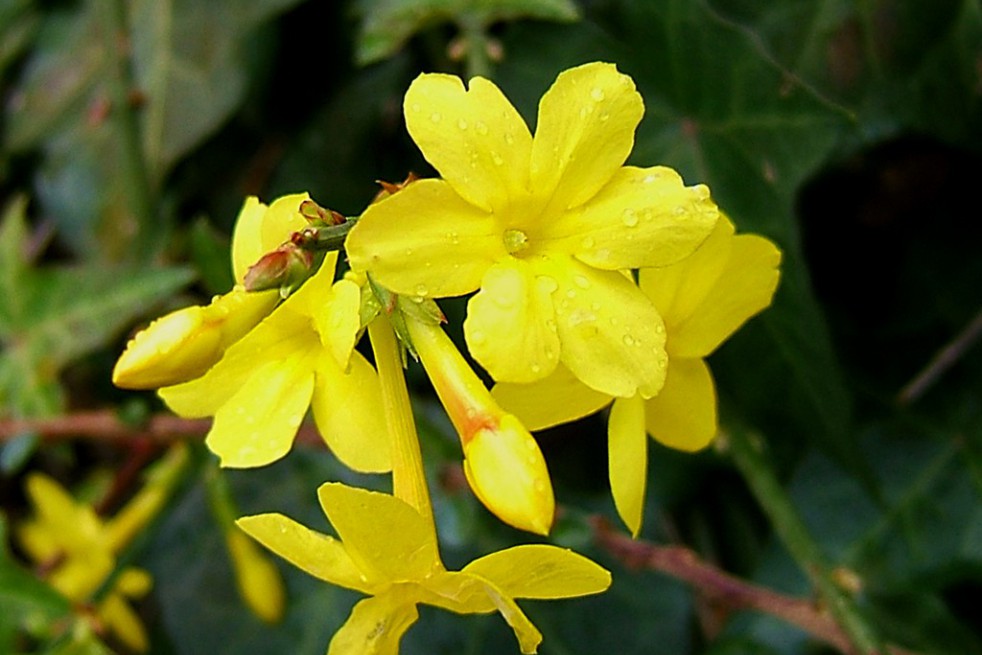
(80, 549)
(703, 300)
(502, 461)
(184, 344)
(542, 226)
(301, 355)
(387, 551)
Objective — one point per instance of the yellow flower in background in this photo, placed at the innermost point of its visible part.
(81, 551)
(185, 343)
(301, 355)
(542, 226)
(703, 299)
(502, 461)
(386, 551)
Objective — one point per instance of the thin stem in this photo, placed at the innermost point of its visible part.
(720, 587)
(942, 361)
(132, 165)
(408, 478)
(795, 536)
(478, 63)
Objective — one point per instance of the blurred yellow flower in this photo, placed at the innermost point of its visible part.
(184, 344)
(502, 461)
(387, 551)
(703, 300)
(301, 355)
(79, 551)
(542, 226)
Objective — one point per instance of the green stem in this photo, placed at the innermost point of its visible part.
(478, 63)
(790, 528)
(408, 478)
(132, 165)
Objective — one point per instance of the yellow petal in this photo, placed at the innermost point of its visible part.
(528, 636)
(319, 555)
(317, 291)
(425, 241)
(627, 459)
(282, 219)
(134, 583)
(456, 592)
(510, 327)
(383, 534)
(744, 288)
(256, 426)
(474, 137)
(375, 626)
(612, 337)
(642, 217)
(123, 622)
(346, 408)
(247, 242)
(82, 573)
(683, 414)
(541, 571)
(584, 133)
(74, 526)
(339, 320)
(256, 577)
(558, 398)
(508, 474)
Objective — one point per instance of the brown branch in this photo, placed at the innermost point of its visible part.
(105, 426)
(723, 588)
(942, 361)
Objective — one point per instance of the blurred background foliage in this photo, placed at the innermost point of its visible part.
(849, 132)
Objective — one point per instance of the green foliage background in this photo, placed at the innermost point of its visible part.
(848, 131)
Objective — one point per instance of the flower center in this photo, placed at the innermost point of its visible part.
(515, 241)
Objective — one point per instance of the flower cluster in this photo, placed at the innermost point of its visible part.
(597, 283)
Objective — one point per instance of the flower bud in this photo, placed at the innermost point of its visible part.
(257, 578)
(184, 344)
(285, 267)
(502, 461)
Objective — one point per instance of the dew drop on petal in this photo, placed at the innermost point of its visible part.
(415, 107)
(481, 128)
(535, 368)
(581, 281)
(478, 338)
(497, 159)
(598, 94)
(571, 293)
(628, 340)
(462, 124)
(509, 138)
(421, 290)
(629, 218)
(547, 283)
(436, 117)
(588, 242)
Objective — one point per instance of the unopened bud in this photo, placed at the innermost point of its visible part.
(257, 578)
(319, 216)
(502, 461)
(389, 188)
(285, 267)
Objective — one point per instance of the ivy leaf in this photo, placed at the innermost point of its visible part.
(50, 317)
(388, 24)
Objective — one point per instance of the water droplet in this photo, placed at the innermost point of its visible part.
(428, 264)
(478, 338)
(659, 329)
(678, 211)
(648, 179)
(415, 107)
(630, 218)
(581, 281)
(701, 192)
(481, 128)
(628, 340)
(603, 254)
(453, 237)
(551, 325)
(497, 159)
(462, 124)
(436, 117)
(421, 290)
(539, 486)
(570, 293)
(535, 368)
(604, 116)
(585, 111)
(547, 283)
(515, 241)
(597, 94)
(595, 306)
(613, 320)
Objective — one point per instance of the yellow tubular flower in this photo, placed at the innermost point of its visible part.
(184, 344)
(703, 300)
(71, 539)
(542, 226)
(301, 355)
(502, 461)
(386, 551)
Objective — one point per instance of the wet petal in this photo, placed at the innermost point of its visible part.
(528, 636)
(744, 288)
(643, 217)
(627, 459)
(683, 414)
(457, 592)
(256, 426)
(584, 133)
(612, 337)
(474, 137)
(375, 626)
(339, 320)
(558, 398)
(383, 534)
(247, 241)
(346, 408)
(510, 328)
(319, 555)
(426, 241)
(541, 571)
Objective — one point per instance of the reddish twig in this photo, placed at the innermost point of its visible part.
(723, 588)
(106, 426)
